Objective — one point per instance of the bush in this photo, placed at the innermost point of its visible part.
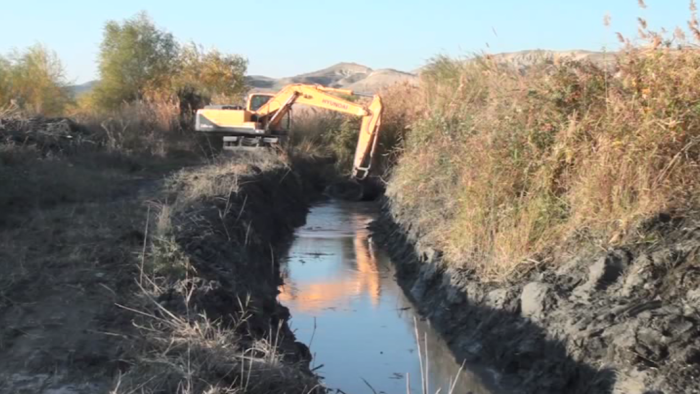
(210, 75)
(34, 81)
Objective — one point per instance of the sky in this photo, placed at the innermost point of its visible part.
(284, 38)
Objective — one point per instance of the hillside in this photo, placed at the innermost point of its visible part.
(342, 75)
(366, 80)
(526, 59)
(535, 206)
(79, 90)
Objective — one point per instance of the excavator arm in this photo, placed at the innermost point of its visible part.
(317, 96)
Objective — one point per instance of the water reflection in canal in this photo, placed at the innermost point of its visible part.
(346, 305)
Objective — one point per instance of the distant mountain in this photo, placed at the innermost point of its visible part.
(378, 79)
(79, 90)
(526, 59)
(523, 60)
(342, 75)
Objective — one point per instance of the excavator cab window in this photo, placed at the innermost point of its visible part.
(258, 100)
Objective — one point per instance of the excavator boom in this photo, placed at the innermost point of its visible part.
(318, 96)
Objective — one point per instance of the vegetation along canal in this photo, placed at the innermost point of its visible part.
(347, 307)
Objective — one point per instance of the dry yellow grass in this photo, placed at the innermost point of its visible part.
(502, 166)
(152, 127)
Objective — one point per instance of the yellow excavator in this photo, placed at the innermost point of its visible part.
(262, 121)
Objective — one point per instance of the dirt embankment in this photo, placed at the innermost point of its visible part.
(623, 320)
(121, 275)
(211, 306)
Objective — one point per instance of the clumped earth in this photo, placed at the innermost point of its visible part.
(121, 276)
(623, 320)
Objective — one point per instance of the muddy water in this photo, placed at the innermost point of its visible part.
(347, 307)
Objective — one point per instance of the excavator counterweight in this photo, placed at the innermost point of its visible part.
(261, 122)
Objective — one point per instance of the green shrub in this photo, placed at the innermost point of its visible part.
(135, 58)
(34, 81)
(210, 75)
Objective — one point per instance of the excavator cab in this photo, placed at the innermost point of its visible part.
(239, 126)
(257, 100)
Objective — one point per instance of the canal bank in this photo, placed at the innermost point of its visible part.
(619, 320)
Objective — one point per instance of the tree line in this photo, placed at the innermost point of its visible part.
(137, 62)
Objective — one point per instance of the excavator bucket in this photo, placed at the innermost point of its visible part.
(367, 140)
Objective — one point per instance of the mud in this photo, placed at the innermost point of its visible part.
(623, 320)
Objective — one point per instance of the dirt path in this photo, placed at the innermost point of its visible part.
(65, 269)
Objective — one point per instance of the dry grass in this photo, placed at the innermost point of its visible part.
(111, 170)
(153, 127)
(402, 108)
(44, 162)
(221, 176)
(503, 166)
(317, 132)
(193, 354)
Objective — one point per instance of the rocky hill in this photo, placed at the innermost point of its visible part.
(525, 59)
(342, 75)
(79, 90)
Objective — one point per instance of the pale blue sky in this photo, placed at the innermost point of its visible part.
(282, 38)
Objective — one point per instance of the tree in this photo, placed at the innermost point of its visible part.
(135, 58)
(211, 74)
(5, 94)
(34, 80)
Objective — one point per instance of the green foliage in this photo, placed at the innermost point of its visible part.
(326, 133)
(34, 81)
(136, 58)
(138, 62)
(342, 141)
(211, 74)
(168, 258)
(5, 70)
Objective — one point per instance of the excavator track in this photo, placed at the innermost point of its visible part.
(239, 142)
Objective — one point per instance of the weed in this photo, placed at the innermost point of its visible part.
(502, 165)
